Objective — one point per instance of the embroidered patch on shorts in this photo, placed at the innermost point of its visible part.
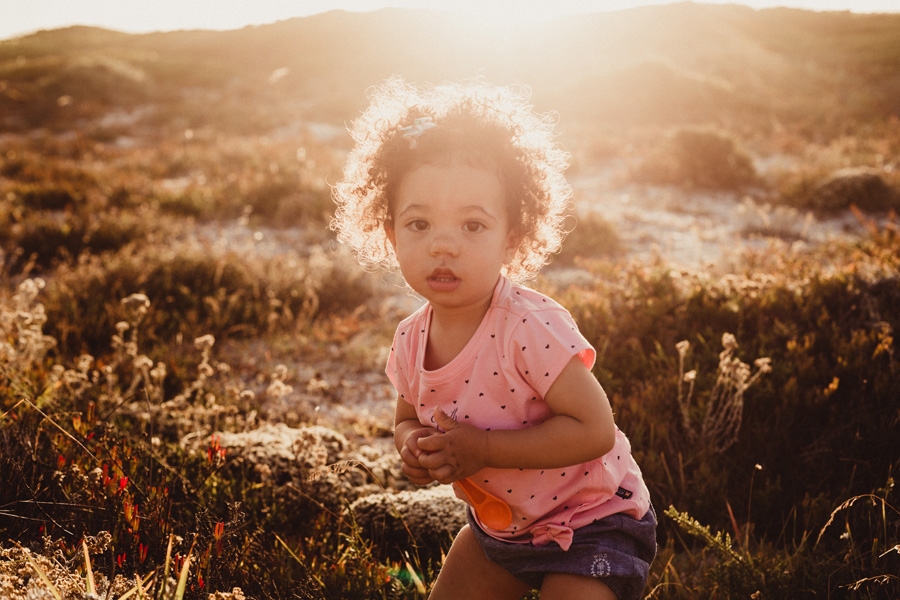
(624, 494)
(600, 567)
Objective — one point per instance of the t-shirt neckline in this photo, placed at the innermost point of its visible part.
(469, 351)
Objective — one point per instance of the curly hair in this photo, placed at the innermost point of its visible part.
(477, 124)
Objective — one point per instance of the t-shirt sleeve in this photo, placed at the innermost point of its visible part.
(397, 365)
(543, 344)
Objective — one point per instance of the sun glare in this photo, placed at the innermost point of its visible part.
(494, 24)
(487, 20)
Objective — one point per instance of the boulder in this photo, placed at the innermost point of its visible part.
(430, 516)
(307, 468)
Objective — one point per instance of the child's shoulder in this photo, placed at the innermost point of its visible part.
(525, 317)
(520, 300)
(417, 319)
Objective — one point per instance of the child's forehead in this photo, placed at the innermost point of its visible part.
(459, 179)
(471, 160)
(430, 164)
(451, 189)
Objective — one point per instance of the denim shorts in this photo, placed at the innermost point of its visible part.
(617, 549)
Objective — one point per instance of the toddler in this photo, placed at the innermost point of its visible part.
(462, 188)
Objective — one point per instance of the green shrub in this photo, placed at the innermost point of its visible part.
(831, 393)
(698, 157)
(865, 189)
(48, 197)
(192, 291)
(191, 202)
(591, 237)
(44, 240)
(849, 553)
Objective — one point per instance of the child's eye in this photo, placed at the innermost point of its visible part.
(417, 225)
(473, 226)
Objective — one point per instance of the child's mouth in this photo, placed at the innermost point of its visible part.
(443, 280)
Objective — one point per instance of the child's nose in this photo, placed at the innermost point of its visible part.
(444, 243)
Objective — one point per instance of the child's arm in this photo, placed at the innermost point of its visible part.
(582, 429)
(407, 431)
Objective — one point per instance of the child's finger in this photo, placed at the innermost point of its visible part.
(432, 443)
(410, 454)
(417, 476)
(432, 460)
(414, 472)
(413, 441)
(443, 421)
(443, 474)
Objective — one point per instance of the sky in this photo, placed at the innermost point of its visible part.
(18, 17)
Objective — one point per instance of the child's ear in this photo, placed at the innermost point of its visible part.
(513, 241)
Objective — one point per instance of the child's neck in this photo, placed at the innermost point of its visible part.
(450, 331)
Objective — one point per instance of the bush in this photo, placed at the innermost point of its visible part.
(831, 393)
(591, 237)
(48, 197)
(864, 188)
(699, 158)
(44, 240)
(850, 551)
(192, 291)
(829, 193)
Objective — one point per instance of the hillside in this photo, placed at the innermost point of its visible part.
(660, 65)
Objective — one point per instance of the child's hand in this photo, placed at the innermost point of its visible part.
(410, 453)
(455, 454)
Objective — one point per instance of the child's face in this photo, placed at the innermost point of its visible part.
(451, 234)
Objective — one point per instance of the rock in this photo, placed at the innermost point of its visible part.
(307, 469)
(278, 453)
(234, 594)
(432, 516)
(20, 581)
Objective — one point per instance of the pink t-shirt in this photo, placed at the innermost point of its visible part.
(498, 381)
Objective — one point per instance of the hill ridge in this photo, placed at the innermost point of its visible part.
(684, 62)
